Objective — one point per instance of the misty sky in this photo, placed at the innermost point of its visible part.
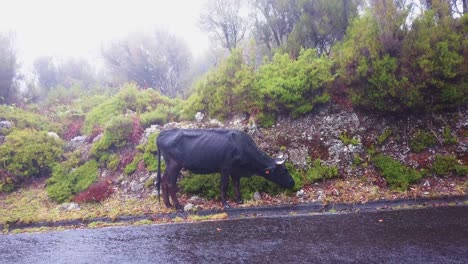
(80, 27)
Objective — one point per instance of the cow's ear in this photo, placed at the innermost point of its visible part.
(269, 170)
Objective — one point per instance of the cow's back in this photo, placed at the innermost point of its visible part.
(201, 150)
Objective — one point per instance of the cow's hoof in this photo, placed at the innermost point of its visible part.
(226, 205)
(179, 208)
(239, 201)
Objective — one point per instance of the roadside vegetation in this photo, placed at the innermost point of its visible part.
(387, 60)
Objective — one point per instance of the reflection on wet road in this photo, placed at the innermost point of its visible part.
(434, 235)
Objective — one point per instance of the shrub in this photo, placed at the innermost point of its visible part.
(7, 181)
(66, 182)
(384, 136)
(132, 166)
(117, 133)
(97, 192)
(317, 171)
(151, 150)
(397, 175)
(23, 119)
(295, 86)
(208, 186)
(29, 153)
(444, 165)
(422, 140)
(448, 137)
(347, 140)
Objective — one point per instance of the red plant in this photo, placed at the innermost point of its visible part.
(97, 192)
(137, 131)
(126, 158)
(73, 129)
(96, 132)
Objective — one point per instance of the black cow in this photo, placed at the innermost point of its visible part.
(203, 151)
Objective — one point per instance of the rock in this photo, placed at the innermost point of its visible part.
(257, 196)
(136, 186)
(215, 123)
(189, 207)
(70, 207)
(320, 196)
(97, 138)
(199, 116)
(148, 132)
(5, 125)
(298, 156)
(53, 134)
(300, 193)
(194, 199)
(76, 142)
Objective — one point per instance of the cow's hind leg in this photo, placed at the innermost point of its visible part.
(165, 190)
(173, 171)
(237, 194)
(224, 187)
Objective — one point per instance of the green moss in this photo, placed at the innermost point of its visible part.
(266, 119)
(319, 172)
(23, 119)
(29, 153)
(132, 166)
(113, 161)
(384, 136)
(449, 138)
(116, 135)
(347, 140)
(445, 165)
(397, 175)
(149, 156)
(64, 182)
(422, 140)
(208, 186)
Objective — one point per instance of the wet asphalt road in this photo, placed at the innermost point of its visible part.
(433, 235)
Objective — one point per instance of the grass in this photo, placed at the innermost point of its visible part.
(33, 205)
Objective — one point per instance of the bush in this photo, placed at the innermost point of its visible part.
(97, 192)
(66, 182)
(133, 166)
(29, 153)
(421, 141)
(151, 105)
(397, 175)
(392, 66)
(117, 133)
(444, 165)
(23, 119)
(317, 171)
(347, 140)
(208, 186)
(151, 150)
(295, 86)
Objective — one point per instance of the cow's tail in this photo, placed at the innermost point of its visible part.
(158, 182)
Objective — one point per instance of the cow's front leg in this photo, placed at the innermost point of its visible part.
(224, 187)
(237, 193)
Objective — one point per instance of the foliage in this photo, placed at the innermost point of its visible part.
(421, 141)
(295, 86)
(23, 119)
(397, 175)
(130, 99)
(392, 67)
(449, 138)
(317, 171)
(29, 153)
(384, 136)
(207, 185)
(8, 181)
(226, 90)
(116, 135)
(444, 165)
(347, 140)
(65, 182)
(132, 166)
(151, 150)
(97, 192)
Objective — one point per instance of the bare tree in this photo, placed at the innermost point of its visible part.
(158, 60)
(8, 69)
(223, 20)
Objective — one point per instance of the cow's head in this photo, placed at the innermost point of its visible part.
(278, 174)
